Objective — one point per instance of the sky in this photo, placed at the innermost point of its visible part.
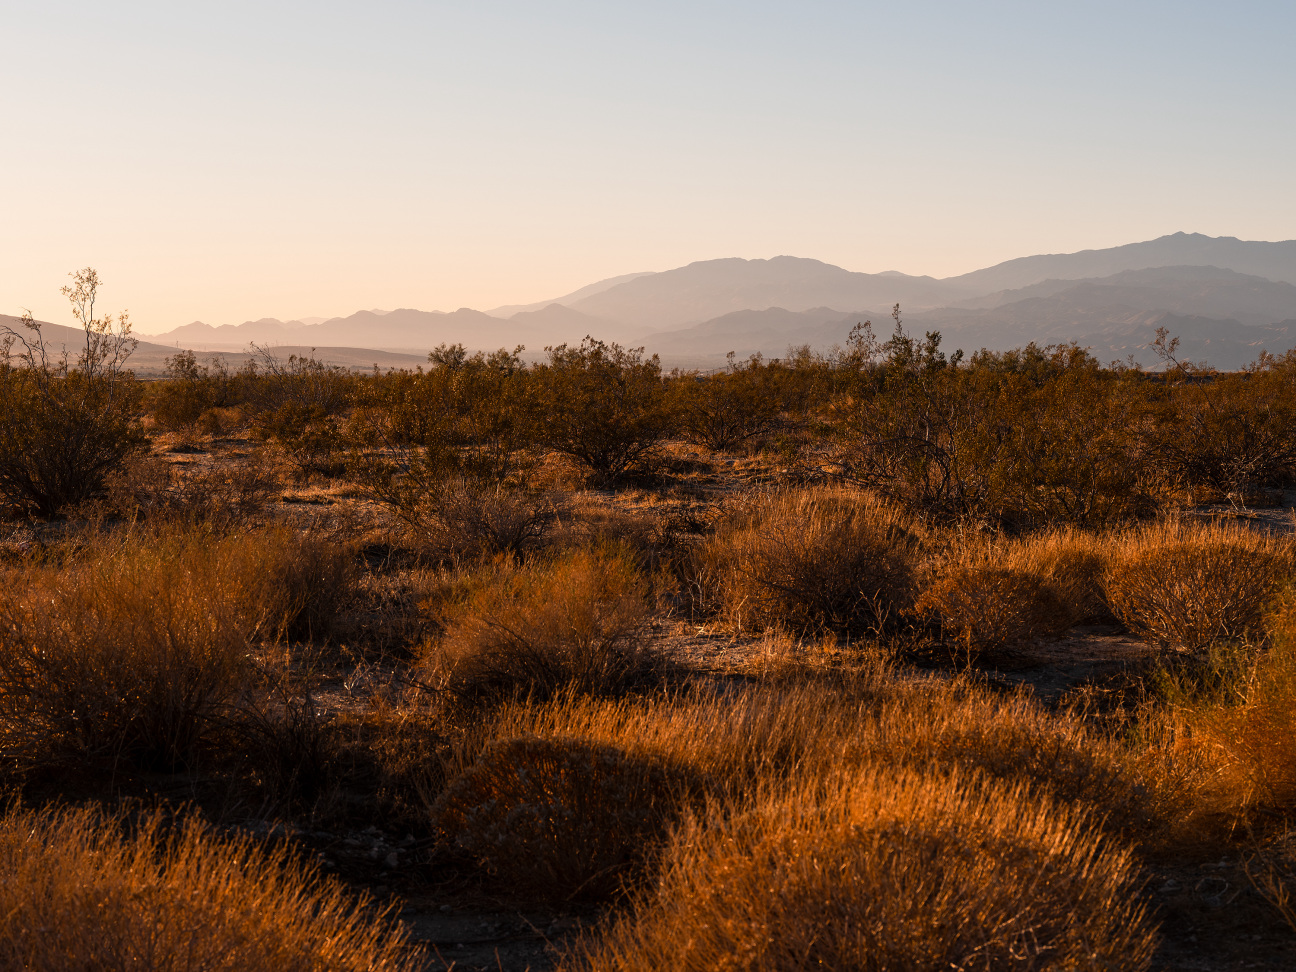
(230, 161)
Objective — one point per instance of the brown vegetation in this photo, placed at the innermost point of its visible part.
(744, 658)
(875, 871)
(810, 562)
(79, 893)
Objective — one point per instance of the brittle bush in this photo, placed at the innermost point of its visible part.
(77, 894)
(871, 870)
(133, 650)
(1184, 587)
(535, 629)
(812, 561)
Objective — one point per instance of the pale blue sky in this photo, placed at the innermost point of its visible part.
(237, 160)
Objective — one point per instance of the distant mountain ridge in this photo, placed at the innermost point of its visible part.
(712, 306)
(1273, 261)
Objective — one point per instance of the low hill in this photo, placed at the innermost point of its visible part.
(149, 358)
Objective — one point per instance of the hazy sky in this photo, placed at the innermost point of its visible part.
(227, 161)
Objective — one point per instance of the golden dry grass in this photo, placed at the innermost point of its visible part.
(561, 817)
(876, 871)
(135, 649)
(78, 895)
(1248, 736)
(1184, 586)
(991, 592)
(811, 561)
(536, 629)
(574, 794)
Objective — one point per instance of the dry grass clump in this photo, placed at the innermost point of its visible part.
(571, 621)
(993, 606)
(881, 871)
(810, 561)
(1250, 740)
(466, 518)
(1010, 590)
(134, 650)
(958, 727)
(734, 740)
(738, 741)
(561, 817)
(78, 894)
(1184, 587)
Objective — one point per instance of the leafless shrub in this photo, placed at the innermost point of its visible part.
(1186, 587)
(989, 607)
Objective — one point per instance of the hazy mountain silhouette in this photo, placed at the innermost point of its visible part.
(714, 306)
(589, 290)
(200, 334)
(1273, 261)
(705, 290)
(1225, 316)
(769, 332)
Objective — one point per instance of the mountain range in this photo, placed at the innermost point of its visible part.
(1227, 298)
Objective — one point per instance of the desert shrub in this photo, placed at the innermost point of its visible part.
(297, 405)
(1186, 587)
(136, 651)
(567, 622)
(606, 405)
(1249, 733)
(184, 397)
(148, 487)
(289, 584)
(960, 728)
(1233, 433)
(878, 871)
(65, 428)
(127, 658)
(724, 410)
(454, 515)
(1038, 435)
(471, 518)
(991, 606)
(78, 894)
(811, 561)
(561, 817)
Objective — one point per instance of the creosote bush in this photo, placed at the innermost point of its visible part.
(85, 892)
(1185, 587)
(535, 629)
(66, 426)
(811, 562)
(880, 871)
